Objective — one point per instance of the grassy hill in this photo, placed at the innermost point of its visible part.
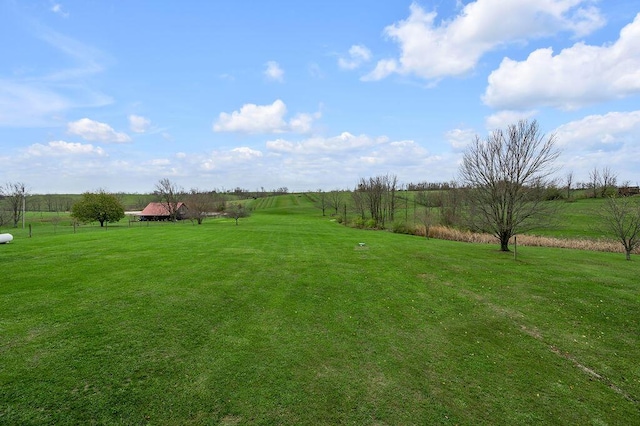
(288, 319)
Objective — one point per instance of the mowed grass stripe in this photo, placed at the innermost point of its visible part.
(285, 319)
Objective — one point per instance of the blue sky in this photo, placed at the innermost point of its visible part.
(307, 95)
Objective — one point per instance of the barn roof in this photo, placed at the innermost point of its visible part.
(158, 209)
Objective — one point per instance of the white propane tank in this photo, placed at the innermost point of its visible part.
(5, 238)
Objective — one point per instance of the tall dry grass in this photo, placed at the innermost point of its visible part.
(446, 233)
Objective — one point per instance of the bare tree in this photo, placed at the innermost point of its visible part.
(3, 216)
(569, 180)
(379, 194)
(505, 175)
(359, 203)
(427, 219)
(169, 194)
(15, 194)
(200, 204)
(335, 200)
(621, 218)
(608, 181)
(594, 180)
(323, 201)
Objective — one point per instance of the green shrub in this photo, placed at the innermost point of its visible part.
(403, 228)
(370, 224)
(553, 193)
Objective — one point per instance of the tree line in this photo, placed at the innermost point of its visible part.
(504, 186)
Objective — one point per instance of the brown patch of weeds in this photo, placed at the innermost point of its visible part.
(451, 234)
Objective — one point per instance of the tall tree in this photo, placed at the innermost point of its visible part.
(15, 194)
(506, 174)
(98, 206)
(621, 218)
(169, 194)
(379, 194)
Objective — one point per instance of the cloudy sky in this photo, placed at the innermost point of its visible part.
(306, 94)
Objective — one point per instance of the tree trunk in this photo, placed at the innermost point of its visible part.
(628, 254)
(504, 242)
(101, 223)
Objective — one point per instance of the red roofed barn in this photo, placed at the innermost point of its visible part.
(160, 211)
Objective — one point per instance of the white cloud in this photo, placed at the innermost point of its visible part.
(345, 158)
(302, 123)
(245, 153)
(273, 71)
(57, 9)
(225, 160)
(254, 118)
(337, 144)
(358, 55)
(460, 138)
(139, 124)
(433, 50)
(596, 132)
(95, 131)
(579, 75)
(156, 162)
(608, 140)
(62, 148)
(502, 119)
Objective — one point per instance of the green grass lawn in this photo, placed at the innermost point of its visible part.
(576, 219)
(286, 319)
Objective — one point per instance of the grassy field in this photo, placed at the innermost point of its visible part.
(287, 319)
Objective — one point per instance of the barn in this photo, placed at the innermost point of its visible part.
(160, 211)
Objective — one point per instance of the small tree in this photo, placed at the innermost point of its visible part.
(594, 180)
(322, 201)
(335, 200)
(621, 218)
(506, 175)
(608, 181)
(427, 219)
(237, 211)
(199, 204)
(359, 203)
(98, 206)
(569, 181)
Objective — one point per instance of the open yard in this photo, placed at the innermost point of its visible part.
(287, 319)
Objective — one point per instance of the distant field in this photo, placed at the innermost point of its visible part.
(577, 219)
(287, 319)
